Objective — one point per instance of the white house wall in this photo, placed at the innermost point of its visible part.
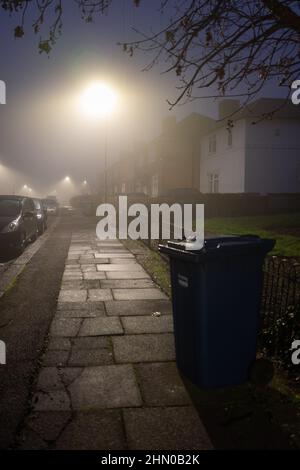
(273, 156)
(227, 162)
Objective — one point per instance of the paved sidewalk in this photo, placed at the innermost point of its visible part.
(108, 378)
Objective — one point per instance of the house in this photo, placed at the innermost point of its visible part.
(170, 161)
(257, 153)
(247, 150)
(174, 156)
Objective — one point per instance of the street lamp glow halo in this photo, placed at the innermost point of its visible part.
(98, 100)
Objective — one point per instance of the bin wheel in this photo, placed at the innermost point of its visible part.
(261, 372)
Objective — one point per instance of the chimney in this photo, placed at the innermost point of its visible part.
(227, 108)
(168, 124)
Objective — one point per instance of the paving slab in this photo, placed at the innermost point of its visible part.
(92, 275)
(72, 268)
(99, 312)
(69, 374)
(57, 400)
(113, 254)
(88, 342)
(48, 424)
(49, 379)
(161, 384)
(72, 276)
(55, 358)
(86, 257)
(73, 285)
(138, 307)
(72, 296)
(112, 386)
(103, 430)
(138, 294)
(123, 261)
(144, 348)
(171, 428)
(101, 326)
(126, 283)
(120, 267)
(59, 343)
(90, 357)
(86, 268)
(93, 261)
(88, 306)
(65, 327)
(148, 324)
(95, 295)
(127, 275)
(116, 250)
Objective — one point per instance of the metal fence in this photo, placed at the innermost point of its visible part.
(280, 308)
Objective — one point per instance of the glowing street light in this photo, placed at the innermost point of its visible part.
(99, 101)
(67, 179)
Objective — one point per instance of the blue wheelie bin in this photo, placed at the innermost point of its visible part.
(216, 295)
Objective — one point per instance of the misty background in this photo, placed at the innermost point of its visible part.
(44, 136)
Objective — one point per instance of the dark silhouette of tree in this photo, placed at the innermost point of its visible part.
(232, 47)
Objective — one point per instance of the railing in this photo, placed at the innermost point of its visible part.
(280, 309)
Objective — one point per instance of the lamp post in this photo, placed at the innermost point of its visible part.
(98, 101)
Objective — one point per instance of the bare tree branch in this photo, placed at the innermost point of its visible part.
(229, 47)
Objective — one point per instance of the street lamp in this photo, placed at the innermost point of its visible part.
(99, 101)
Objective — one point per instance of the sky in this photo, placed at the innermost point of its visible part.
(44, 135)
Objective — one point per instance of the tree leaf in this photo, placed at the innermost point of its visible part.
(19, 32)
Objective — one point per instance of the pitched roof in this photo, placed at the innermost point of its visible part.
(266, 108)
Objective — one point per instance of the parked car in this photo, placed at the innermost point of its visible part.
(41, 215)
(18, 223)
(66, 210)
(51, 206)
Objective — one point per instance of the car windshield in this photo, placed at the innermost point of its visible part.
(37, 204)
(9, 207)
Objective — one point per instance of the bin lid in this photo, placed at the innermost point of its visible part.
(221, 245)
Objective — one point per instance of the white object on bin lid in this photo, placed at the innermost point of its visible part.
(194, 242)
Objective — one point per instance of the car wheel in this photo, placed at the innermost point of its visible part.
(41, 229)
(34, 237)
(21, 245)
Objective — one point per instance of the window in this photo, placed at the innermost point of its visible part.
(9, 207)
(212, 144)
(37, 204)
(28, 205)
(213, 183)
(229, 138)
(154, 186)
